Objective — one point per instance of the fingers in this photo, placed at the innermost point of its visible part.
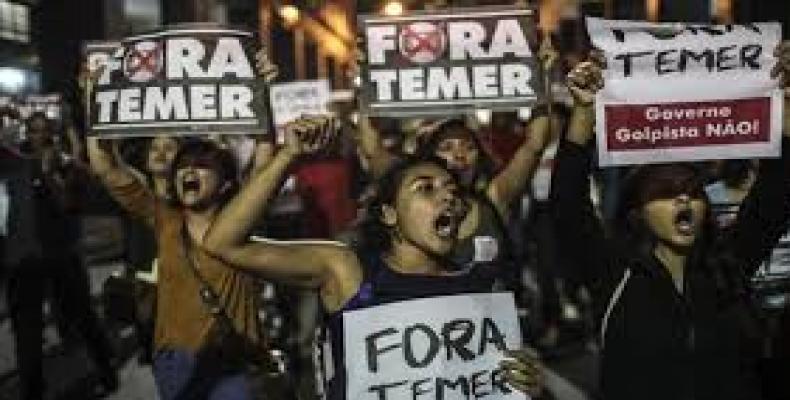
(310, 134)
(523, 371)
(267, 69)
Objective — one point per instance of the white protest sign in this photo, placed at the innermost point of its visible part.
(436, 348)
(686, 92)
(292, 100)
(190, 78)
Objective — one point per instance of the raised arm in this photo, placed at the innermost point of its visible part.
(517, 174)
(764, 215)
(326, 265)
(123, 184)
(379, 159)
(512, 180)
(581, 233)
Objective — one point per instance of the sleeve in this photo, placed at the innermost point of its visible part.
(764, 215)
(134, 197)
(581, 236)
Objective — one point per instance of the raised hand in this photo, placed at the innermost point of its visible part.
(524, 371)
(265, 67)
(586, 79)
(310, 134)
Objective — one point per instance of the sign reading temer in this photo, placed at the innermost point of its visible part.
(438, 348)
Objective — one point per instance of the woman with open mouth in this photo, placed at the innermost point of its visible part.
(676, 320)
(413, 224)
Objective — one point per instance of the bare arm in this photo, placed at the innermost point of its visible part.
(308, 264)
(377, 157)
(512, 180)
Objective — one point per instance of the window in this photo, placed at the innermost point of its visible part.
(14, 21)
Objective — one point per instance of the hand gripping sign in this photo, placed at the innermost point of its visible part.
(686, 92)
(187, 79)
(448, 62)
(440, 348)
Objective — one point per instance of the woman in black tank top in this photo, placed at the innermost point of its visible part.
(414, 225)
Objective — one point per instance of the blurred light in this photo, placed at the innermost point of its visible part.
(393, 8)
(12, 79)
(289, 13)
(524, 113)
(483, 116)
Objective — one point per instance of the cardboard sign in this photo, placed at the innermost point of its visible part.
(438, 348)
(290, 101)
(449, 62)
(188, 79)
(686, 92)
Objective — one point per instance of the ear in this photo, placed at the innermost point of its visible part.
(388, 215)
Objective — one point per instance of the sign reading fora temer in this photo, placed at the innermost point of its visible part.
(183, 79)
(433, 63)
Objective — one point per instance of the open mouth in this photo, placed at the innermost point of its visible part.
(684, 221)
(190, 183)
(446, 224)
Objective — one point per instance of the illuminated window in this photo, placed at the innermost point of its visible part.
(14, 21)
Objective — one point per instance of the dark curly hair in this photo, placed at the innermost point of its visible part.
(222, 161)
(376, 236)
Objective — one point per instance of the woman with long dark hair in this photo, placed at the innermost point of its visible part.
(413, 225)
(675, 315)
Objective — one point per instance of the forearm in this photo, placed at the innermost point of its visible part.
(581, 124)
(237, 219)
(512, 181)
(372, 148)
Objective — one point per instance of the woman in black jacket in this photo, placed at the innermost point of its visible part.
(675, 319)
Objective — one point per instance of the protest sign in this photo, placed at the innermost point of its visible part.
(186, 79)
(448, 62)
(292, 100)
(439, 348)
(686, 92)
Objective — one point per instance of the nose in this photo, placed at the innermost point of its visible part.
(683, 198)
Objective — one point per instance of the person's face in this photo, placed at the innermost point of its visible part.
(161, 154)
(427, 210)
(198, 184)
(676, 221)
(459, 152)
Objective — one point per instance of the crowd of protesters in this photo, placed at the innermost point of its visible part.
(395, 210)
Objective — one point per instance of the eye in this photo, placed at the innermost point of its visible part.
(425, 187)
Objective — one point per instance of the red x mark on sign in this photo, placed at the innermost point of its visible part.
(415, 42)
(143, 60)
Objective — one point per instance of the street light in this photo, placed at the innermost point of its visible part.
(393, 8)
(289, 13)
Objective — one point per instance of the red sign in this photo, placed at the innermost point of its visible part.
(687, 124)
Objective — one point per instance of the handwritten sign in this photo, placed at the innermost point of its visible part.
(438, 348)
(292, 100)
(686, 92)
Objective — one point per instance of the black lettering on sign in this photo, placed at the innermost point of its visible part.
(479, 384)
(491, 334)
(416, 389)
(461, 384)
(381, 390)
(705, 56)
(750, 53)
(374, 351)
(467, 329)
(627, 57)
(433, 345)
(725, 57)
(498, 381)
